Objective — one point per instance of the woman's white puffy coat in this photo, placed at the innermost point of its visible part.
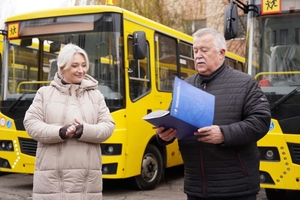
(68, 169)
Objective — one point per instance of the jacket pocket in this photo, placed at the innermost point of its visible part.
(241, 163)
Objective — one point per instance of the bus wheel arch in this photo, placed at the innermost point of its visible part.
(152, 168)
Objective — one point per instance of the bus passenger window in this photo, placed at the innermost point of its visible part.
(186, 60)
(165, 61)
(240, 66)
(230, 63)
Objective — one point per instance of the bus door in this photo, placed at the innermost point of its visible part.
(139, 99)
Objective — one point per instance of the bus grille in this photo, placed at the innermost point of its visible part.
(28, 146)
(295, 152)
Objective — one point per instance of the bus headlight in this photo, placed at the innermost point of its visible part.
(269, 155)
(2, 145)
(265, 178)
(111, 149)
(104, 169)
(6, 145)
(110, 168)
(262, 178)
(4, 163)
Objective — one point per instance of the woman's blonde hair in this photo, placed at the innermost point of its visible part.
(65, 57)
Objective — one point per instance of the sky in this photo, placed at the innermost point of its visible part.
(13, 7)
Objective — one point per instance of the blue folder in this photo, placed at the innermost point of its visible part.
(191, 109)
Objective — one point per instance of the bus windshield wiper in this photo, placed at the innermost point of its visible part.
(17, 101)
(284, 98)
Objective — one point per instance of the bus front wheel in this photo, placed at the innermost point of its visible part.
(275, 194)
(151, 169)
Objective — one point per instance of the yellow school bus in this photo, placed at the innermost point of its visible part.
(273, 59)
(134, 60)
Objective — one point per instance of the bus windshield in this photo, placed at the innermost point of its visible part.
(32, 56)
(274, 51)
(277, 48)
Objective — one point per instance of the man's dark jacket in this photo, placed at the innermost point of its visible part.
(243, 115)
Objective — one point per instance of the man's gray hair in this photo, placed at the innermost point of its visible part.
(219, 42)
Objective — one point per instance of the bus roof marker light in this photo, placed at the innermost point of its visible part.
(109, 2)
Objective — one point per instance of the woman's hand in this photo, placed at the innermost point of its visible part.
(79, 129)
(77, 121)
(71, 130)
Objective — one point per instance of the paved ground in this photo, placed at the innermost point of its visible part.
(19, 187)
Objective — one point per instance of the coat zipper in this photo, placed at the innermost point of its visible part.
(60, 174)
(201, 160)
(84, 189)
(61, 146)
(80, 108)
(204, 86)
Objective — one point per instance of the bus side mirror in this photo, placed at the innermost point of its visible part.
(139, 45)
(231, 21)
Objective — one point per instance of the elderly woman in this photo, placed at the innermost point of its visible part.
(69, 119)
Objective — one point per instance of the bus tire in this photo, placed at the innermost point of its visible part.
(275, 194)
(151, 169)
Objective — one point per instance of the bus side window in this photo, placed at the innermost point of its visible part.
(240, 66)
(230, 63)
(165, 61)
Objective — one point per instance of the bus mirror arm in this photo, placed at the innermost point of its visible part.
(246, 8)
